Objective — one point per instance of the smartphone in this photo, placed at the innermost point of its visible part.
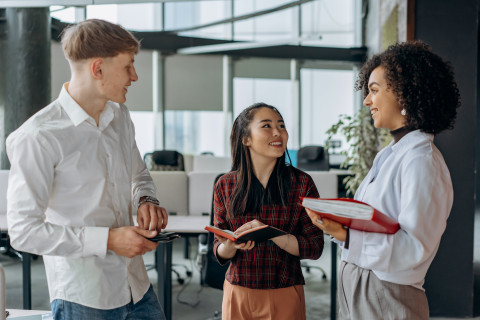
(6, 313)
(165, 237)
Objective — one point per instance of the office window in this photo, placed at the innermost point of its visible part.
(329, 23)
(268, 27)
(275, 92)
(325, 95)
(144, 131)
(186, 14)
(66, 14)
(194, 132)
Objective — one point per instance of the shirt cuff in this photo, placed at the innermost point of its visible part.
(95, 241)
(347, 239)
(354, 251)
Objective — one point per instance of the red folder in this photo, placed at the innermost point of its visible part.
(353, 214)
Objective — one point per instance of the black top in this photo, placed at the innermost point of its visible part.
(399, 133)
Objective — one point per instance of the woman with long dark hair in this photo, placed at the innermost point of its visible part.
(264, 280)
(411, 91)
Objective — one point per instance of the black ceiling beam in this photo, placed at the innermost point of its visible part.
(169, 43)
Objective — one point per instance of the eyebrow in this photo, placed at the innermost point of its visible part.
(373, 83)
(268, 120)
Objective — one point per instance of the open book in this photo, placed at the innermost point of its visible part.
(258, 234)
(352, 213)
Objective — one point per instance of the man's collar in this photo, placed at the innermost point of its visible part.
(78, 115)
(71, 107)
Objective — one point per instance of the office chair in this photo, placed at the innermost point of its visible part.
(164, 160)
(312, 158)
(6, 248)
(212, 274)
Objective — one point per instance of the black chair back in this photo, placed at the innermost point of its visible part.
(212, 273)
(164, 160)
(312, 158)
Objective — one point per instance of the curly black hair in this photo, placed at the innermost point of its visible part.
(422, 81)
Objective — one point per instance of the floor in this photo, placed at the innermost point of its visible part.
(191, 301)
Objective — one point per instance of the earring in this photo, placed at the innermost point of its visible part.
(403, 112)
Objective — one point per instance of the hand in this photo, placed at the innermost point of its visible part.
(231, 245)
(130, 241)
(331, 227)
(249, 225)
(152, 217)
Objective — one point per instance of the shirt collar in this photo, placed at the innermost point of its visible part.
(71, 107)
(413, 135)
(78, 115)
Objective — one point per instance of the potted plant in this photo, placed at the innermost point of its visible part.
(365, 142)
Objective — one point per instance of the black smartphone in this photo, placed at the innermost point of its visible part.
(6, 313)
(165, 237)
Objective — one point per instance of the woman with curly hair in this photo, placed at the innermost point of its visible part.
(412, 92)
(264, 280)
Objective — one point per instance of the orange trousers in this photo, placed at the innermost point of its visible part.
(240, 303)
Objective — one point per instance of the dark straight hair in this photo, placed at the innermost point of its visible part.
(244, 196)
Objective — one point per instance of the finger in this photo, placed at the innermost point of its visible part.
(140, 221)
(311, 214)
(318, 224)
(146, 233)
(146, 217)
(164, 218)
(241, 229)
(153, 217)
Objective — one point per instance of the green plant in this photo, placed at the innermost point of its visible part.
(365, 141)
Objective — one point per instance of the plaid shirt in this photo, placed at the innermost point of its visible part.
(267, 266)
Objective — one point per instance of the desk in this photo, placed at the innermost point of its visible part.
(34, 314)
(185, 226)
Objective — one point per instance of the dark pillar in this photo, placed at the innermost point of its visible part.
(25, 68)
(451, 28)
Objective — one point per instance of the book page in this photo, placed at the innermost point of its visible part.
(339, 208)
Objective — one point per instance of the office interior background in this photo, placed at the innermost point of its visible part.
(204, 61)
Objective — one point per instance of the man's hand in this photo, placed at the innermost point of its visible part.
(331, 227)
(152, 217)
(130, 241)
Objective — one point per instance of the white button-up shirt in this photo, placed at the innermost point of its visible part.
(70, 181)
(412, 184)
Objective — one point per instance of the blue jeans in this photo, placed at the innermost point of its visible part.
(145, 309)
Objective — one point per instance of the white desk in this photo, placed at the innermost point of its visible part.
(31, 314)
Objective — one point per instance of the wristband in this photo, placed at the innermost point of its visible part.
(148, 199)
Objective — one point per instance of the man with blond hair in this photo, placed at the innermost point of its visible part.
(75, 175)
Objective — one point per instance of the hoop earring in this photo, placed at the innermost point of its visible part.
(403, 112)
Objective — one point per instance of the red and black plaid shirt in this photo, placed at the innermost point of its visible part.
(267, 266)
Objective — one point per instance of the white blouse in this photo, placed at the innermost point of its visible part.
(410, 182)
